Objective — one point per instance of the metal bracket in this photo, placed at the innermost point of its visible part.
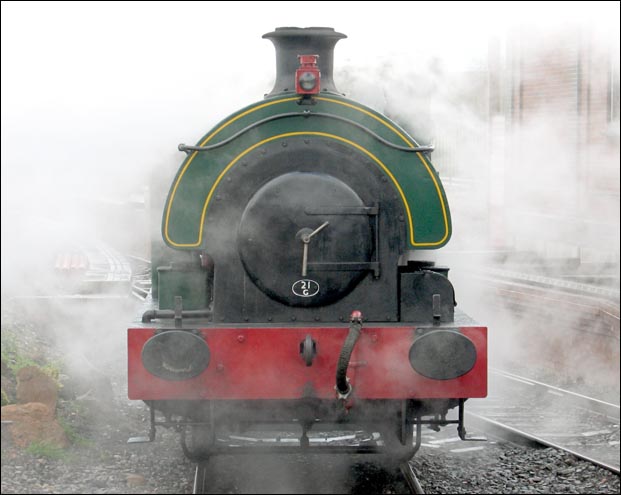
(461, 429)
(437, 308)
(343, 210)
(151, 436)
(308, 350)
(179, 312)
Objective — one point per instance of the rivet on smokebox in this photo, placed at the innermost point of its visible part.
(241, 338)
(284, 144)
(219, 367)
(374, 337)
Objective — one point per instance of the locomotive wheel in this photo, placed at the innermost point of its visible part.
(198, 442)
(396, 453)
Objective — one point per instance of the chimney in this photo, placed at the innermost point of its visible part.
(293, 41)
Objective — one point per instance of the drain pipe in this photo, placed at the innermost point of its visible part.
(343, 388)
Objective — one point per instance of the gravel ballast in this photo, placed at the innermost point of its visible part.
(100, 419)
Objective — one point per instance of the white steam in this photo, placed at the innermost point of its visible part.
(96, 98)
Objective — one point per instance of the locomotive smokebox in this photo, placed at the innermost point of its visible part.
(293, 41)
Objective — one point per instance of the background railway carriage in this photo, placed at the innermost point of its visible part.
(292, 285)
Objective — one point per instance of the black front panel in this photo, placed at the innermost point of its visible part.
(418, 290)
(288, 188)
(282, 243)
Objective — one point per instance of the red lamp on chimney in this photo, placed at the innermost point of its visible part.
(308, 76)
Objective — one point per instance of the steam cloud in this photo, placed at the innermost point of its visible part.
(95, 99)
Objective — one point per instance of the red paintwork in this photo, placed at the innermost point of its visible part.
(308, 63)
(264, 363)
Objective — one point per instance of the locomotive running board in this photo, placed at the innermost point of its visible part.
(374, 445)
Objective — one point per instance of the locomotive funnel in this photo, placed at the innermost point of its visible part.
(293, 41)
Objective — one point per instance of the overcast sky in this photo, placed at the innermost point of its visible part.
(94, 95)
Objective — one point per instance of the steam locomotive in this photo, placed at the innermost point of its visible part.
(292, 286)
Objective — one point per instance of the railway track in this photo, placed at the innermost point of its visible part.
(550, 283)
(519, 407)
(81, 272)
(320, 467)
(542, 296)
(204, 481)
(201, 478)
(106, 266)
(141, 277)
(411, 479)
(570, 330)
(562, 320)
(106, 271)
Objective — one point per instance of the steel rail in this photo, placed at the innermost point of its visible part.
(200, 478)
(502, 429)
(604, 411)
(410, 477)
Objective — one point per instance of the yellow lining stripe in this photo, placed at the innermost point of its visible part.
(370, 114)
(191, 159)
(422, 159)
(291, 134)
(444, 215)
(284, 100)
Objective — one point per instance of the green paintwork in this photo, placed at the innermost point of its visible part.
(190, 284)
(418, 180)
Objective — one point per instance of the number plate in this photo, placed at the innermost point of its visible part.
(305, 288)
